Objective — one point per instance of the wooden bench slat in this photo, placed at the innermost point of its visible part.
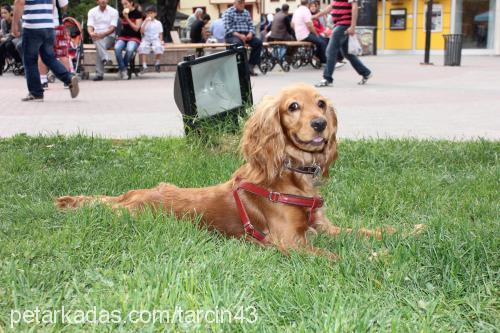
(177, 51)
(172, 46)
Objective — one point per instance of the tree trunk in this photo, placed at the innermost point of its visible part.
(166, 15)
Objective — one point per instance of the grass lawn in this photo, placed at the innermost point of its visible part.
(445, 279)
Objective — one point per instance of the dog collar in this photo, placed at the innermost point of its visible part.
(314, 170)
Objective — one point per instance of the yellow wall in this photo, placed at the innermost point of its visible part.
(437, 40)
(396, 39)
(403, 39)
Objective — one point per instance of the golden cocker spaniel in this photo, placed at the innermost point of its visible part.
(272, 199)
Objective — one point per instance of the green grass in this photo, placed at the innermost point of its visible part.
(445, 279)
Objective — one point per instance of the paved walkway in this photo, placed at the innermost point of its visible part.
(404, 99)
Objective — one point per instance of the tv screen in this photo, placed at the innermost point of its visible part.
(216, 86)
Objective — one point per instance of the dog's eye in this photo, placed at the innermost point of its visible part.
(293, 107)
(321, 104)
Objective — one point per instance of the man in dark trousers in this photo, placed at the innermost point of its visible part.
(240, 30)
(38, 38)
(344, 15)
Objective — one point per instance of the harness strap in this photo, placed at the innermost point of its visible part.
(284, 198)
(247, 225)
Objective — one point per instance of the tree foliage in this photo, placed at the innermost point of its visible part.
(166, 10)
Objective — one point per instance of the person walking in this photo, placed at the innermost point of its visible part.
(345, 15)
(38, 39)
(61, 45)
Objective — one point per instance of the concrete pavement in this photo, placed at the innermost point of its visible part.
(403, 99)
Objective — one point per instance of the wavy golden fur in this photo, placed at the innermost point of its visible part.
(299, 125)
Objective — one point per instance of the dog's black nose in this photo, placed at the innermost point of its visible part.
(318, 124)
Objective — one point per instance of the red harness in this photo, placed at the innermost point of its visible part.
(284, 198)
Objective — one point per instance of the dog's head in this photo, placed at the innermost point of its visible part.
(299, 124)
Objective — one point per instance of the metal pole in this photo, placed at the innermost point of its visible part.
(428, 28)
(382, 43)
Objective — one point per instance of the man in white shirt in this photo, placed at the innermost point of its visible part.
(305, 31)
(101, 25)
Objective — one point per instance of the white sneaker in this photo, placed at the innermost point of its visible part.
(365, 78)
(324, 83)
(122, 74)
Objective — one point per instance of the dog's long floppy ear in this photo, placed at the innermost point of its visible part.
(331, 148)
(263, 142)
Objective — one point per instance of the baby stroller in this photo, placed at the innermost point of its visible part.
(75, 51)
(70, 36)
(12, 56)
(14, 66)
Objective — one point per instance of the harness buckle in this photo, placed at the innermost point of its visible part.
(248, 227)
(317, 171)
(273, 196)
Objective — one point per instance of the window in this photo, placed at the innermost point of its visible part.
(475, 19)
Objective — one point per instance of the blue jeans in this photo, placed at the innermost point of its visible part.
(255, 44)
(129, 48)
(320, 44)
(279, 52)
(41, 42)
(338, 43)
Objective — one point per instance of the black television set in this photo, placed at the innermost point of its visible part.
(211, 88)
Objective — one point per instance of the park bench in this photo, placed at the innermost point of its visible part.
(285, 53)
(174, 53)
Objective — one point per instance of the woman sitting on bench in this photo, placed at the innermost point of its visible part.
(129, 38)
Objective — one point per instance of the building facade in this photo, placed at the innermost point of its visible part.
(401, 25)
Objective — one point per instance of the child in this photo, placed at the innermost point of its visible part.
(152, 38)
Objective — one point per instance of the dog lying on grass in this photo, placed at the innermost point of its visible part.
(272, 199)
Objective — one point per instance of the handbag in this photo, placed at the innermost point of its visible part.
(353, 46)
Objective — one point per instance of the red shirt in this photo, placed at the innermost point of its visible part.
(342, 12)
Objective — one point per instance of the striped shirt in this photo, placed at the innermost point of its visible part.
(342, 12)
(38, 14)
